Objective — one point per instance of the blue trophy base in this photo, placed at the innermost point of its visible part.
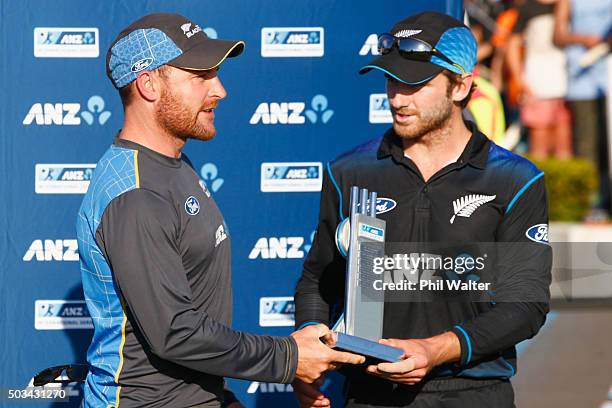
(368, 348)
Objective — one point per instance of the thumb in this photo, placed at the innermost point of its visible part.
(391, 342)
(401, 367)
(321, 330)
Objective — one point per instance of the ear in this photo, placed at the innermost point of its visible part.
(148, 85)
(462, 89)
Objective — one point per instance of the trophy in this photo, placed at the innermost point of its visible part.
(361, 239)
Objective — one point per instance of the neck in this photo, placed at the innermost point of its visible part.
(436, 149)
(142, 128)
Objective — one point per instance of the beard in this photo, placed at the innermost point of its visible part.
(180, 120)
(427, 121)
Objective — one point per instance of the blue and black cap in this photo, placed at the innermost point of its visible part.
(420, 47)
(163, 38)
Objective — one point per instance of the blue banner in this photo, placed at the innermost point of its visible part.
(295, 101)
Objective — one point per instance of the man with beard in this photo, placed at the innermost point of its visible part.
(154, 248)
(439, 180)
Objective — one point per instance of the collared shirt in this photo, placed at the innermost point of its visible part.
(505, 198)
(155, 264)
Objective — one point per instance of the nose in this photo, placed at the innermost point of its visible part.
(217, 90)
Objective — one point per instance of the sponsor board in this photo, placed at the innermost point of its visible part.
(291, 177)
(276, 311)
(292, 42)
(379, 109)
(61, 315)
(66, 42)
(62, 178)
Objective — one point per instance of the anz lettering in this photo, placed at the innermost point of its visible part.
(54, 114)
(287, 113)
(52, 250)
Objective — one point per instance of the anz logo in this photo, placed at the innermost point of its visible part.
(267, 388)
(281, 247)
(68, 114)
(257, 386)
(292, 113)
(52, 250)
(370, 46)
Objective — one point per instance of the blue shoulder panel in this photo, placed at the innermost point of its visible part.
(115, 174)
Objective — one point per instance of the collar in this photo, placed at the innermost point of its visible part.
(476, 151)
(158, 157)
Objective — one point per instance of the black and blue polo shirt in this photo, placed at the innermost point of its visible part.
(512, 204)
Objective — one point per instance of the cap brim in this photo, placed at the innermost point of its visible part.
(411, 72)
(208, 54)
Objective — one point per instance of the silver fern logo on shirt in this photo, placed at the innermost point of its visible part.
(466, 205)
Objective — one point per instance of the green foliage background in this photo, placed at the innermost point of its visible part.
(571, 185)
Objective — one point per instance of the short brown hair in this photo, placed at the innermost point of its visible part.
(126, 92)
(455, 79)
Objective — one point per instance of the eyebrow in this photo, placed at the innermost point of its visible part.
(206, 72)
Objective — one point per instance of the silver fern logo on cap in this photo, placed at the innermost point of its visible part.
(465, 206)
(407, 33)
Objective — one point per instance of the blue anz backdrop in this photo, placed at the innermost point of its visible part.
(295, 102)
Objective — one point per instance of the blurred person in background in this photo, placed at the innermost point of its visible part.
(501, 77)
(504, 25)
(583, 28)
(485, 107)
(541, 72)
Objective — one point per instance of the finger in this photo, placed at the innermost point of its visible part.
(305, 401)
(330, 338)
(420, 373)
(394, 377)
(408, 376)
(400, 367)
(388, 342)
(346, 358)
(321, 330)
(374, 371)
(315, 403)
(322, 403)
(411, 381)
(318, 404)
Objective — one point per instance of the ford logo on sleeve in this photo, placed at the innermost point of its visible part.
(538, 233)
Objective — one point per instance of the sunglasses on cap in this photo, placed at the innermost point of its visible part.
(73, 373)
(412, 48)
